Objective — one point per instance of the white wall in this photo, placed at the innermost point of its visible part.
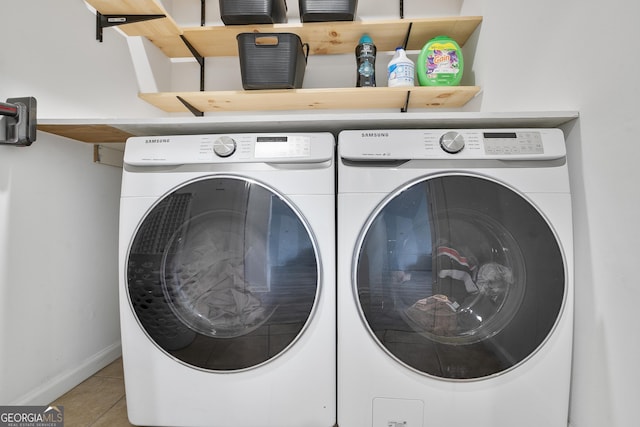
(58, 284)
(58, 210)
(570, 54)
(536, 55)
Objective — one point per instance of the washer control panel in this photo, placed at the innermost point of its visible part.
(486, 144)
(230, 148)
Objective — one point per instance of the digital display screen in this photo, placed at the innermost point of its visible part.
(500, 135)
(272, 139)
(272, 147)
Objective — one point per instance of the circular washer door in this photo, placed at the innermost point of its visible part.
(223, 274)
(459, 277)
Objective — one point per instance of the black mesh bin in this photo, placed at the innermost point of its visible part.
(327, 10)
(240, 12)
(272, 60)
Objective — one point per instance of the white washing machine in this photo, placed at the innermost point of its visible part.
(227, 280)
(455, 278)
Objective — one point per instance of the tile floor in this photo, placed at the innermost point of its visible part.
(98, 401)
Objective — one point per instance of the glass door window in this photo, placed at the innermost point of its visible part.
(223, 274)
(459, 277)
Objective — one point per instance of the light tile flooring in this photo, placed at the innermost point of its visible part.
(98, 401)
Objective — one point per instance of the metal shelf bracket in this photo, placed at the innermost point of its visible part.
(406, 38)
(406, 103)
(190, 107)
(106, 21)
(198, 58)
(203, 10)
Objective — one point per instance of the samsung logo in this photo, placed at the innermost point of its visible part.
(375, 134)
(156, 140)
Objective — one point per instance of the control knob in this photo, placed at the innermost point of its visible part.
(452, 142)
(224, 146)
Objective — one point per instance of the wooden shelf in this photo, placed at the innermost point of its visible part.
(85, 131)
(334, 37)
(315, 99)
(164, 33)
(323, 38)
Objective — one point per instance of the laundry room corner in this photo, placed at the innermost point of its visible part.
(58, 210)
(58, 296)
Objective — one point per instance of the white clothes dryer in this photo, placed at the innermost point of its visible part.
(455, 278)
(227, 280)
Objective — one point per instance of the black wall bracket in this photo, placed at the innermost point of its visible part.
(190, 107)
(406, 38)
(406, 103)
(18, 122)
(405, 108)
(203, 12)
(106, 21)
(198, 58)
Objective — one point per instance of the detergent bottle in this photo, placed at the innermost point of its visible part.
(440, 63)
(401, 70)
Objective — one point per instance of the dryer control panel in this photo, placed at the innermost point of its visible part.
(501, 144)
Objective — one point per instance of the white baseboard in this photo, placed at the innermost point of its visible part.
(65, 381)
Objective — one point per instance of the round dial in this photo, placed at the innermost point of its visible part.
(452, 142)
(224, 146)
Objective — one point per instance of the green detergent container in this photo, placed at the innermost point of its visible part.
(440, 63)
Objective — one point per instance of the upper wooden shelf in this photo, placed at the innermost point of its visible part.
(334, 37)
(163, 32)
(162, 27)
(322, 37)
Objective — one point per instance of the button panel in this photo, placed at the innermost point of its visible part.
(504, 144)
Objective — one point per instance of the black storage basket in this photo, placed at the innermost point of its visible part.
(272, 60)
(241, 12)
(327, 10)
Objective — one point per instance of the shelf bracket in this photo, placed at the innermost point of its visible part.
(406, 38)
(106, 21)
(406, 103)
(401, 9)
(190, 107)
(198, 58)
(203, 9)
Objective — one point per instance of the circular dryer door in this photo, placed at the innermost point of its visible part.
(459, 277)
(223, 274)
